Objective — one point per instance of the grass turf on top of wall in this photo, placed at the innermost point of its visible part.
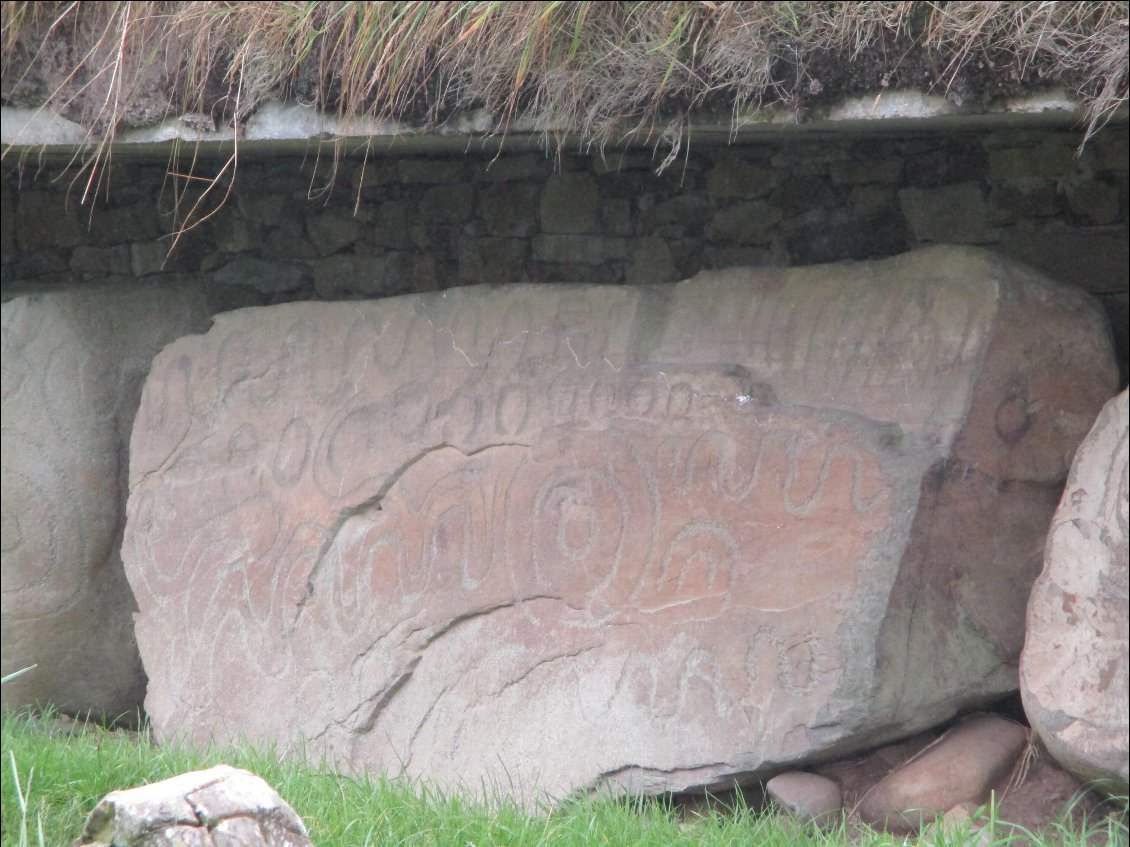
(54, 773)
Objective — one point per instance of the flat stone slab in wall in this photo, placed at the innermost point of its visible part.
(1074, 670)
(548, 539)
(73, 364)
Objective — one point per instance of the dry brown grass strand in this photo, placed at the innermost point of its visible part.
(586, 70)
(586, 66)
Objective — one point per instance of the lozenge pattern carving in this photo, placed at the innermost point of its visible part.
(561, 536)
(575, 492)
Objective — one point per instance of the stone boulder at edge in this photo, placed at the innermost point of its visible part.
(73, 364)
(548, 539)
(1074, 670)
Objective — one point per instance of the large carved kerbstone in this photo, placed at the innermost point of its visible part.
(558, 537)
(73, 364)
(1075, 665)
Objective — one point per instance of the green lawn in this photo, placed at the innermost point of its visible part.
(52, 777)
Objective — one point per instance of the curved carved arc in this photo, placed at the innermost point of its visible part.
(241, 669)
(268, 365)
(81, 391)
(348, 457)
(581, 522)
(363, 571)
(918, 340)
(399, 343)
(735, 469)
(639, 682)
(236, 368)
(293, 452)
(456, 326)
(787, 469)
(428, 542)
(677, 679)
(318, 361)
(18, 383)
(263, 568)
(164, 417)
(585, 330)
(294, 595)
(642, 396)
(839, 462)
(691, 580)
(845, 356)
(161, 560)
(701, 689)
(23, 331)
(520, 337)
(50, 548)
(356, 351)
(562, 396)
(783, 661)
(457, 553)
(512, 410)
(459, 417)
(209, 670)
(457, 515)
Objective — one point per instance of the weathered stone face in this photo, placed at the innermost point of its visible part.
(73, 364)
(1075, 666)
(558, 537)
(219, 807)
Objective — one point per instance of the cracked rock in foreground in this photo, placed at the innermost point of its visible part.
(219, 807)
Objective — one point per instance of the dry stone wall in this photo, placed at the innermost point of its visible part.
(427, 223)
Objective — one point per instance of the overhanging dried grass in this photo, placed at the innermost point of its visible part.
(588, 66)
(598, 69)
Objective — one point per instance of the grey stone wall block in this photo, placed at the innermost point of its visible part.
(47, 219)
(578, 249)
(745, 223)
(569, 204)
(330, 230)
(957, 214)
(510, 208)
(735, 178)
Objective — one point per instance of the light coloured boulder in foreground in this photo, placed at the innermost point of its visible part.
(218, 807)
(73, 364)
(550, 539)
(1075, 669)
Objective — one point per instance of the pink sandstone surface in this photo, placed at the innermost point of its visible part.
(553, 539)
(1075, 667)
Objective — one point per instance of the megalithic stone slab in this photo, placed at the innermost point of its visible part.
(73, 365)
(540, 540)
(1075, 666)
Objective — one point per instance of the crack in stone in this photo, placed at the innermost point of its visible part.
(374, 502)
(423, 720)
(542, 662)
(383, 698)
(611, 780)
(458, 620)
(455, 622)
